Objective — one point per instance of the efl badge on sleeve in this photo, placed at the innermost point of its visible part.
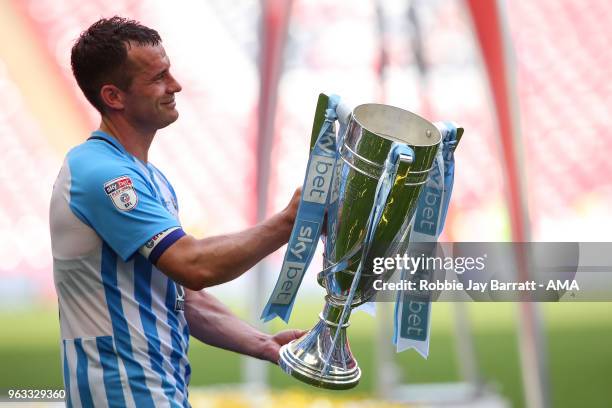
(122, 193)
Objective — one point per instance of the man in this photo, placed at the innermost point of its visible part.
(128, 278)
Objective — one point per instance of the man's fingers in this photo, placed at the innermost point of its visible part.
(296, 333)
(286, 336)
(278, 340)
(299, 333)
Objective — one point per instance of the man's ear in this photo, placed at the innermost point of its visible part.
(112, 97)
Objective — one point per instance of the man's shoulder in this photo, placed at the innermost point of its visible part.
(96, 159)
(96, 151)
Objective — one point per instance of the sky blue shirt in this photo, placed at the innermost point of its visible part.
(124, 333)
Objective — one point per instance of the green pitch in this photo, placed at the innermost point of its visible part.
(579, 339)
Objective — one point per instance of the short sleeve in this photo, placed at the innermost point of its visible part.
(118, 202)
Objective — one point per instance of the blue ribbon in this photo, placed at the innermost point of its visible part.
(309, 219)
(413, 312)
(449, 140)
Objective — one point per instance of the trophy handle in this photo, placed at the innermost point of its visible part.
(398, 155)
(396, 178)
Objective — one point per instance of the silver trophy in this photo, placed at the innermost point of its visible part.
(322, 357)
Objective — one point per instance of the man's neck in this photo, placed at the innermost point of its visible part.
(135, 141)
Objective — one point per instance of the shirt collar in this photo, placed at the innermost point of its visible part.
(99, 134)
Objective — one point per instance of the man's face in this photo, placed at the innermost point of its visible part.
(149, 102)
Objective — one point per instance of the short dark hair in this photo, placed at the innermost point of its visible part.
(99, 56)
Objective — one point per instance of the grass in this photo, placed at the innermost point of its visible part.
(579, 338)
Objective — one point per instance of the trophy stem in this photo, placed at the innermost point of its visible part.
(304, 358)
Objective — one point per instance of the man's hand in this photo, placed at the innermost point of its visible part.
(274, 343)
(291, 210)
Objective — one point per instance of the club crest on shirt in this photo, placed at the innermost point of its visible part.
(121, 192)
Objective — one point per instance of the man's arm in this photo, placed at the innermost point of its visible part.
(199, 263)
(211, 322)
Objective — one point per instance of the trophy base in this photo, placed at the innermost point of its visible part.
(304, 358)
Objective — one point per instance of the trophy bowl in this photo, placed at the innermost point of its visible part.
(322, 357)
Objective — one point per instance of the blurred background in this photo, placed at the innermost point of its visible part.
(529, 81)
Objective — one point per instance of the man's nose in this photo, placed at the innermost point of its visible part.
(174, 85)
